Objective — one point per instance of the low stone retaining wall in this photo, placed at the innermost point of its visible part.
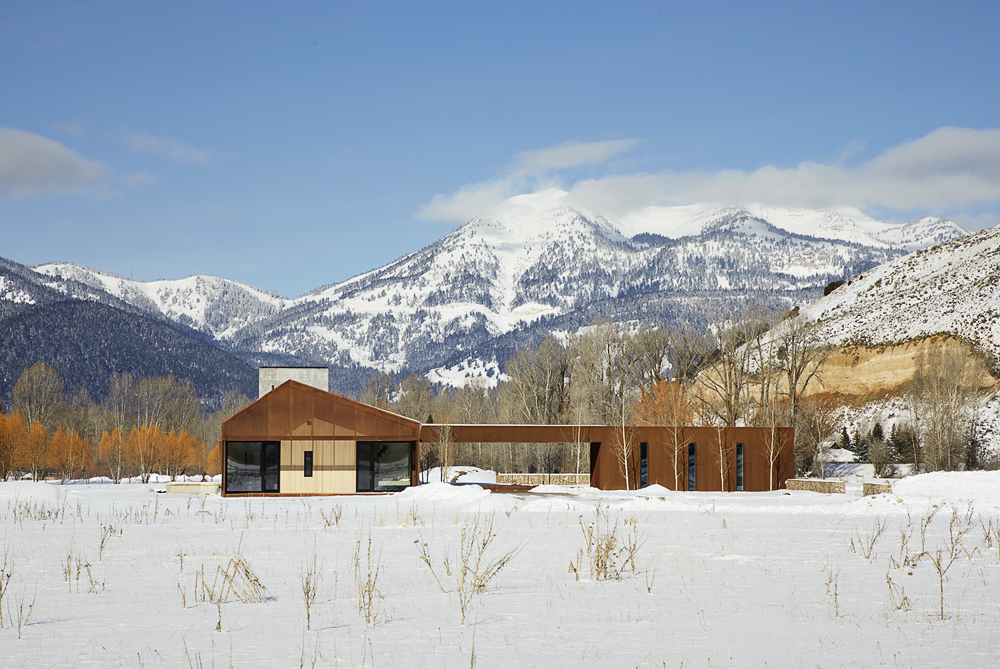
(875, 488)
(545, 479)
(816, 485)
(192, 488)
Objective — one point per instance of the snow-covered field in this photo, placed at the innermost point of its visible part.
(105, 575)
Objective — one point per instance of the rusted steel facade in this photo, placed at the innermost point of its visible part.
(688, 458)
(681, 458)
(295, 419)
(299, 440)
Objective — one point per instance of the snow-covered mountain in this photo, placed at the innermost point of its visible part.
(214, 306)
(921, 233)
(532, 266)
(953, 288)
(535, 261)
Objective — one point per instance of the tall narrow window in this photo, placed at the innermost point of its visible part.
(692, 477)
(739, 466)
(643, 464)
(307, 463)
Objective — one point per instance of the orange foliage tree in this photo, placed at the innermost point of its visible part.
(13, 435)
(111, 451)
(143, 449)
(68, 453)
(213, 460)
(179, 452)
(35, 447)
(667, 404)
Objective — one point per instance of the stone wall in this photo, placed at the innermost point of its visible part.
(816, 485)
(875, 488)
(545, 479)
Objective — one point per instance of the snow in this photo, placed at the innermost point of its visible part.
(9, 294)
(949, 289)
(112, 576)
(190, 300)
(462, 474)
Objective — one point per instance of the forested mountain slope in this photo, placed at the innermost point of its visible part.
(87, 342)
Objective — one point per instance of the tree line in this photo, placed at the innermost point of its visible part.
(754, 368)
(145, 426)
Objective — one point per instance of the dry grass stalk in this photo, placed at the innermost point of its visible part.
(366, 580)
(310, 587)
(607, 552)
(6, 571)
(475, 571)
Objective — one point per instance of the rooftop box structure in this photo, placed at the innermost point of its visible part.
(269, 378)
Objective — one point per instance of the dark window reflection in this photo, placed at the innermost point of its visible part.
(383, 466)
(252, 466)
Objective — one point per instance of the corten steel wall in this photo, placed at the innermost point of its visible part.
(758, 474)
(300, 416)
(605, 446)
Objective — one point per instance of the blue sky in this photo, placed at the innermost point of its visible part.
(292, 145)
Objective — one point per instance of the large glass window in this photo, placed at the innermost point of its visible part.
(383, 466)
(252, 466)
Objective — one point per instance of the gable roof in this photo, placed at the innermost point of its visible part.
(295, 410)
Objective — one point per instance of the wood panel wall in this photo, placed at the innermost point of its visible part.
(333, 467)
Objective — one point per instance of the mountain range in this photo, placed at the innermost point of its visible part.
(460, 306)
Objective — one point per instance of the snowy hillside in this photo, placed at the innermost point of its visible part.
(953, 288)
(536, 259)
(215, 306)
(503, 281)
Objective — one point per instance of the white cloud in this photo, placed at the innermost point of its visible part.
(468, 202)
(164, 147)
(528, 174)
(572, 154)
(948, 168)
(31, 164)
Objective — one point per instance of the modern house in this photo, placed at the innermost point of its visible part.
(298, 439)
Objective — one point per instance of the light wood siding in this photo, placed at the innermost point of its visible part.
(333, 467)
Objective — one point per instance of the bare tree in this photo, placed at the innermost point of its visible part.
(942, 398)
(801, 354)
(471, 406)
(37, 395)
(724, 383)
(377, 390)
(416, 398)
(653, 346)
(814, 426)
(538, 383)
(668, 405)
(604, 387)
